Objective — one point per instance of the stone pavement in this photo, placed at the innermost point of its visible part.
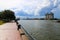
(8, 31)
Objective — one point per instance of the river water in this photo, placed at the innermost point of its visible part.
(42, 29)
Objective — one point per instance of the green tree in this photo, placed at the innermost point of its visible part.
(8, 15)
(1, 16)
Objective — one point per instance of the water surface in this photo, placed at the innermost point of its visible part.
(42, 29)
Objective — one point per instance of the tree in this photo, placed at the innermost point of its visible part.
(1, 16)
(8, 15)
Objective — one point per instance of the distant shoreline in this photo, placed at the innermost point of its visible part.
(35, 19)
(38, 19)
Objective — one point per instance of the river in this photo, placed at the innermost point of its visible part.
(42, 29)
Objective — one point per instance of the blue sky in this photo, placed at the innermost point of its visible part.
(31, 8)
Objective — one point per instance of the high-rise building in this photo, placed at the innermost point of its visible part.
(49, 16)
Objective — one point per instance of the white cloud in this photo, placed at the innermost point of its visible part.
(29, 6)
(6, 4)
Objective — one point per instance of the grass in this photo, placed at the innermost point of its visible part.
(1, 22)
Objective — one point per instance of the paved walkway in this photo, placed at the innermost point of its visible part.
(9, 31)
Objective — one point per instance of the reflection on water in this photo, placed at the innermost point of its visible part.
(42, 29)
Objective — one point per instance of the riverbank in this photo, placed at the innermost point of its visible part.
(8, 31)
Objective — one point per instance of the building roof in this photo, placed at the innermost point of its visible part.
(49, 13)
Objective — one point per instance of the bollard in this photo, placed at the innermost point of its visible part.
(19, 27)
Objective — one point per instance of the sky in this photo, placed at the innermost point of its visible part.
(31, 8)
